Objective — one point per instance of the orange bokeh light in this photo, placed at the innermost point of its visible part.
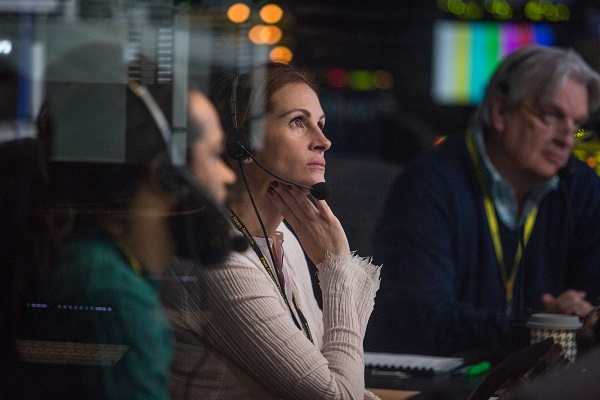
(254, 34)
(271, 13)
(271, 34)
(238, 13)
(281, 54)
(264, 34)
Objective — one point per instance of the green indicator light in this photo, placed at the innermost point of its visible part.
(480, 368)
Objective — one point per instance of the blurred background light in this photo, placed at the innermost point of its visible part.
(337, 78)
(238, 13)
(255, 34)
(282, 54)
(383, 80)
(361, 80)
(271, 13)
(270, 34)
(264, 34)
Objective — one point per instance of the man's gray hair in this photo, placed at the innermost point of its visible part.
(539, 71)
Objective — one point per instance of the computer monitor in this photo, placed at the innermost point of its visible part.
(466, 53)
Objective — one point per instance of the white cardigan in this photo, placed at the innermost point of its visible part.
(235, 337)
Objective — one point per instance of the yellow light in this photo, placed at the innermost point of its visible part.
(580, 154)
(281, 54)
(502, 8)
(238, 13)
(361, 80)
(473, 10)
(456, 7)
(563, 12)
(271, 13)
(550, 12)
(255, 34)
(533, 11)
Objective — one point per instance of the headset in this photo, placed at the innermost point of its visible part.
(208, 236)
(237, 145)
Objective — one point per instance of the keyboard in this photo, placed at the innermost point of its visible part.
(54, 352)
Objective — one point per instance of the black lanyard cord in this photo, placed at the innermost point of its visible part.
(242, 228)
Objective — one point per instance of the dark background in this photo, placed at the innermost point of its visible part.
(396, 36)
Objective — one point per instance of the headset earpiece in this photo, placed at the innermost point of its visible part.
(237, 145)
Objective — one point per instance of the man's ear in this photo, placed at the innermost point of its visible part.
(498, 112)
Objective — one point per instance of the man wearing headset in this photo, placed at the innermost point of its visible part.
(496, 224)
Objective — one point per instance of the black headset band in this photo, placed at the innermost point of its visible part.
(237, 145)
(233, 105)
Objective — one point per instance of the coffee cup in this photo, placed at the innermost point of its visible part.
(560, 327)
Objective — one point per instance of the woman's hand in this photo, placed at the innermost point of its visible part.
(318, 230)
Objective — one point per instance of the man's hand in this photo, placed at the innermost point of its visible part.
(570, 302)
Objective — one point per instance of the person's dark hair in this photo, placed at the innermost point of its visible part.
(254, 93)
(85, 88)
(40, 196)
(9, 81)
(28, 235)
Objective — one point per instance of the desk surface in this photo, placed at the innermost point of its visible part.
(390, 394)
(444, 386)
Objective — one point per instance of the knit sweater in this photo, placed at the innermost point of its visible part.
(442, 291)
(235, 336)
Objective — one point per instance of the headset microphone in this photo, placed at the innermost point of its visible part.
(236, 150)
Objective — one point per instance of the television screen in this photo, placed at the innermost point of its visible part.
(466, 53)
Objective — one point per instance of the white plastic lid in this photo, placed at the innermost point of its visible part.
(554, 321)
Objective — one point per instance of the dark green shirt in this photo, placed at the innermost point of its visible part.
(110, 303)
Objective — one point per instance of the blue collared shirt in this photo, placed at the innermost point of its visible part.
(502, 192)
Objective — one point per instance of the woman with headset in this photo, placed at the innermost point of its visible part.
(88, 240)
(255, 329)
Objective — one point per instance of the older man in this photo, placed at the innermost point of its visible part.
(498, 223)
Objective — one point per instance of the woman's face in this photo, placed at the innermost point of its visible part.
(206, 162)
(294, 145)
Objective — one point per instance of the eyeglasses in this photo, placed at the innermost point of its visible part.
(551, 119)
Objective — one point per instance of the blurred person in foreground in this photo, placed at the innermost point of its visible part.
(492, 226)
(89, 235)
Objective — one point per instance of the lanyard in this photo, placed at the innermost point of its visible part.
(490, 211)
(242, 228)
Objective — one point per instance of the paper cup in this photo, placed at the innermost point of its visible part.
(558, 326)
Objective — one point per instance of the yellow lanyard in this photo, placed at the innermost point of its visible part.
(490, 211)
